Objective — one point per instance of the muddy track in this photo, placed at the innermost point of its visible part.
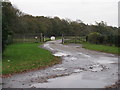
(80, 68)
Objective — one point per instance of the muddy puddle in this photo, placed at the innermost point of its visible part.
(107, 60)
(72, 81)
(60, 54)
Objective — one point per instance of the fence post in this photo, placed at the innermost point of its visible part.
(43, 38)
(23, 38)
(62, 39)
(75, 39)
(79, 39)
(40, 37)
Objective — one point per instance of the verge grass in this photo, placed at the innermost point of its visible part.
(102, 48)
(23, 57)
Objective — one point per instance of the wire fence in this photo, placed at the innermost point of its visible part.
(27, 38)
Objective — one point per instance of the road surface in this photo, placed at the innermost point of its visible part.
(80, 68)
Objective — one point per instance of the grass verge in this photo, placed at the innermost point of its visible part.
(19, 58)
(102, 48)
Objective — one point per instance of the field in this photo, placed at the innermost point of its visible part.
(23, 57)
(102, 48)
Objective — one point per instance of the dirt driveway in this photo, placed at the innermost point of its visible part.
(80, 68)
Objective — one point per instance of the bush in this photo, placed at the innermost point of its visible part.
(117, 41)
(95, 38)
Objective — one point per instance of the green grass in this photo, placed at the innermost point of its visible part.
(22, 57)
(102, 48)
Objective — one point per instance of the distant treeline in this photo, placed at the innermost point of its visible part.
(14, 21)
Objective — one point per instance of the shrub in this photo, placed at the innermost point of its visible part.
(95, 38)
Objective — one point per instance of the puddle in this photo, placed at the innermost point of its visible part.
(106, 60)
(73, 58)
(96, 68)
(72, 81)
(59, 54)
(77, 70)
(47, 46)
(70, 58)
(85, 55)
(59, 69)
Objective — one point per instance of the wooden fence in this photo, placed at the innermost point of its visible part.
(72, 39)
(27, 38)
(39, 37)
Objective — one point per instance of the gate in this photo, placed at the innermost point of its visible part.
(72, 39)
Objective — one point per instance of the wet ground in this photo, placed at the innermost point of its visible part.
(80, 68)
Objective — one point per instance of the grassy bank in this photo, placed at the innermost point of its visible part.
(22, 57)
(102, 48)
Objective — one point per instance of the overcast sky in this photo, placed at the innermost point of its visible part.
(88, 11)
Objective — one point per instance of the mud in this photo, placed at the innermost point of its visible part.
(80, 68)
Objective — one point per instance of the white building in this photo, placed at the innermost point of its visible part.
(52, 38)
